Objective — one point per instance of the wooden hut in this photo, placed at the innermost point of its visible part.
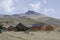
(37, 26)
(11, 28)
(42, 26)
(48, 27)
(21, 27)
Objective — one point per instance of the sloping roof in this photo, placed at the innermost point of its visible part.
(38, 24)
(25, 24)
(28, 25)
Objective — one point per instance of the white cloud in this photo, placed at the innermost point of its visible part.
(7, 5)
(44, 1)
(45, 10)
(36, 6)
(53, 10)
(49, 10)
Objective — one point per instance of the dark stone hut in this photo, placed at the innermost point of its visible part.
(21, 27)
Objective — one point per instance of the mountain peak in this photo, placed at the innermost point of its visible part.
(31, 12)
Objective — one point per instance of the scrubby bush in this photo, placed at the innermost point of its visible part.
(1, 28)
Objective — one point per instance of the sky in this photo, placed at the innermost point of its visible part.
(47, 7)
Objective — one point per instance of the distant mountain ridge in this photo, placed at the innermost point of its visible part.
(36, 16)
(28, 14)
